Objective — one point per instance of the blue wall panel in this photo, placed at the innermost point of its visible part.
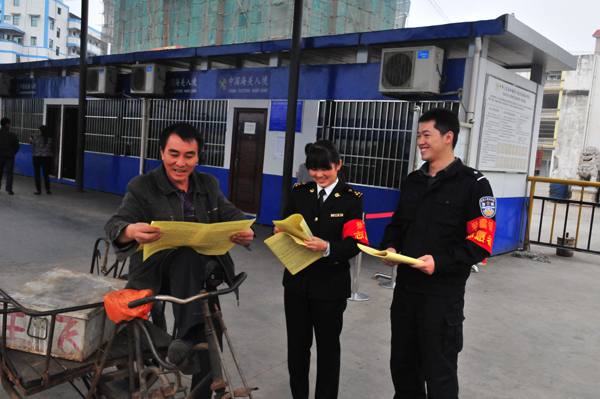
(109, 173)
(24, 160)
(509, 224)
(270, 206)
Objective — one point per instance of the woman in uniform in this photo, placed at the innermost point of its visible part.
(315, 298)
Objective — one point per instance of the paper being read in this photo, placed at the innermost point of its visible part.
(204, 238)
(294, 225)
(289, 246)
(389, 255)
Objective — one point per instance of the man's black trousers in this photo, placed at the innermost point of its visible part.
(426, 339)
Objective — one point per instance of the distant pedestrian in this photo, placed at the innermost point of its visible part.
(42, 158)
(9, 146)
(302, 174)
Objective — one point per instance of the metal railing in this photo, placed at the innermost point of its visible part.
(583, 224)
(26, 115)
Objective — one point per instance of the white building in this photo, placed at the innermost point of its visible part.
(36, 30)
(579, 122)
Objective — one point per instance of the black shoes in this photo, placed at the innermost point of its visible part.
(48, 192)
(177, 352)
(37, 192)
(10, 193)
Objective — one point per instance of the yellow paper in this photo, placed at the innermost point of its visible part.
(389, 255)
(289, 246)
(294, 225)
(293, 254)
(204, 238)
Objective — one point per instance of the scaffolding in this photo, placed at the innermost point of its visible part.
(138, 25)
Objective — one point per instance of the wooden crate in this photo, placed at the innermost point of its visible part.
(76, 334)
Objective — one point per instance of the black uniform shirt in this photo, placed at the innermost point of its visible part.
(451, 219)
(327, 278)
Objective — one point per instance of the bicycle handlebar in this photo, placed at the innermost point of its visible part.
(237, 281)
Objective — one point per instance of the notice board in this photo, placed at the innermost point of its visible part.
(507, 127)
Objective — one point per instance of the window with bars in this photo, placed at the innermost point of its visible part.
(25, 114)
(208, 116)
(114, 126)
(373, 137)
(547, 128)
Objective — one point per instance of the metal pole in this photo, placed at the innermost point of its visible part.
(144, 135)
(82, 91)
(412, 163)
(292, 105)
(390, 285)
(526, 245)
(356, 295)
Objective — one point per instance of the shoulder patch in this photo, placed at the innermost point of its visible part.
(353, 191)
(474, 173)
(299, 184)
(487, 206)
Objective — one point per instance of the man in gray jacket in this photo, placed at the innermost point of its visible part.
(175, 192)
(9, 146)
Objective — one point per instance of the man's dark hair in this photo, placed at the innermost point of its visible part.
(185, 131)
(4, 121)
(444, 120)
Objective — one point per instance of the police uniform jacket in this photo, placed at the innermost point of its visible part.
(329, 277)
(151, 198)
(451, 219)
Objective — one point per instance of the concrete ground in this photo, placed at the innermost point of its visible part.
(531, 328)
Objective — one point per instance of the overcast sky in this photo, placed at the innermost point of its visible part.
(570, 24)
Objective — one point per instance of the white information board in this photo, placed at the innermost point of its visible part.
(507, 127)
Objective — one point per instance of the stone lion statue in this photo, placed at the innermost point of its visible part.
(589, 163)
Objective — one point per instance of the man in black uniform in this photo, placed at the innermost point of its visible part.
(445, 218)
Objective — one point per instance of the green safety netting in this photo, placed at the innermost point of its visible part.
(149, 24)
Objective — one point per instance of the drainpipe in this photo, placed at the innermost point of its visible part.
(590, 100)
(474, 76)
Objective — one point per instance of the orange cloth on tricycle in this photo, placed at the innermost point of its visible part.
(116, 303)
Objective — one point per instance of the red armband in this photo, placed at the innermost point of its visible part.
(355, 229)
(481, 232)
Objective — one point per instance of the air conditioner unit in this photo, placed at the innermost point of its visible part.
(148, 79)
(101, 81)
(411, 70)
(4, 85)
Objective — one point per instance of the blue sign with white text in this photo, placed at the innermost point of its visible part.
(55, 87)
(423, 54)
(182, 84)
(278, 117)
(243, 84)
